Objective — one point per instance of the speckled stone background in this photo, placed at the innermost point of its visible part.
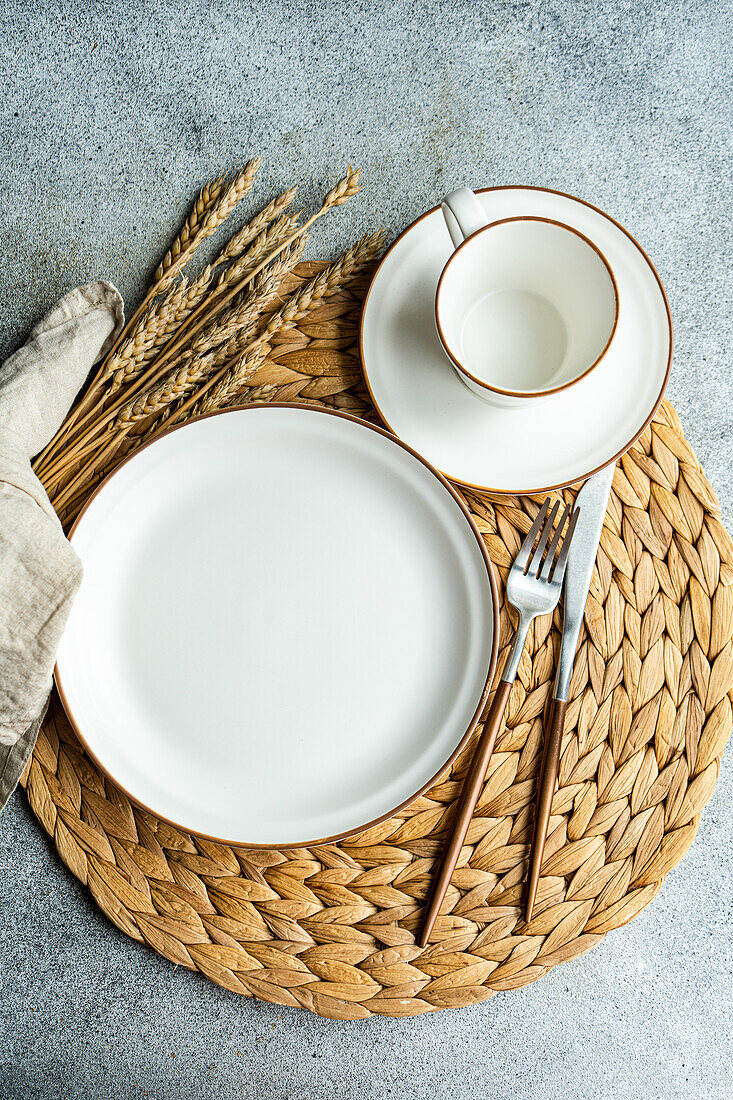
(111, 116)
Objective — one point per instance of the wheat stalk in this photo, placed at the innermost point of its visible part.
(200, 362)
(213, 346)
(326, 283)
(120, 368)
(193, 344)
(237, 244)
(176, 385)
(346, 187)
(215, 202)
(234, 381)
(320, 287)
(233, 194)
(164, 318)
(230, 330)
(263, 245)
(208, 196)
(230, 197)
(259, 393)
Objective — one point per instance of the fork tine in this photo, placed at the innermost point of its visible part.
(544, 573)
(546, 532)
(522, 557)
(559, 571)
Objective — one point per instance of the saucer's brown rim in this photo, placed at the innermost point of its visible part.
(580, 477)
(492, 661)
(531, 395)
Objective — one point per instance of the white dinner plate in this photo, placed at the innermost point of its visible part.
(286, 628)
(567, 437)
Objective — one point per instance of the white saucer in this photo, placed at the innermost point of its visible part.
(286, 627)
(567, 437)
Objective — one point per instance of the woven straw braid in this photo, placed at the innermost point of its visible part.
(332, 929)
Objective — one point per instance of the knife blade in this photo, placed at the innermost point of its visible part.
(592, 501)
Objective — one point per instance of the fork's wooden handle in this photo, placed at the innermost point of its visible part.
(548, 775)
(469, 797)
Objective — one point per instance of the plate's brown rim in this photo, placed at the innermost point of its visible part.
(489, 676)
(530, 394)
(580, 477)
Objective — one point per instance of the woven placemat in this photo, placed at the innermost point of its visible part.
(332, 929)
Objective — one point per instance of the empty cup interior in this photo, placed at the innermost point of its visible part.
(526, 306)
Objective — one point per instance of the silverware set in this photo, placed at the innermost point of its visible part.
(554, 551)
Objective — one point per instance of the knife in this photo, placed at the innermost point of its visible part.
(592, 501)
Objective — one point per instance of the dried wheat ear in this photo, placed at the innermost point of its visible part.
(197, 342)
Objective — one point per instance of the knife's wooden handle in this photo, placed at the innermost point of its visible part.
(548, 776)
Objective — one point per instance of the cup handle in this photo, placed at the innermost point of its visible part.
(463, 214)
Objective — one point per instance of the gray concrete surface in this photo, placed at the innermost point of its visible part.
(111, 115)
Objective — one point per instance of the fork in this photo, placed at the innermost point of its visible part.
(533, 588)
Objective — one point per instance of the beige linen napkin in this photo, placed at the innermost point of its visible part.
(39, 570)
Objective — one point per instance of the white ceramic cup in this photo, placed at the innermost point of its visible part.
(525, 306)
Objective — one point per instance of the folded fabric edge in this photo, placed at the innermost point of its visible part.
(77, 303)
(13, 758)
